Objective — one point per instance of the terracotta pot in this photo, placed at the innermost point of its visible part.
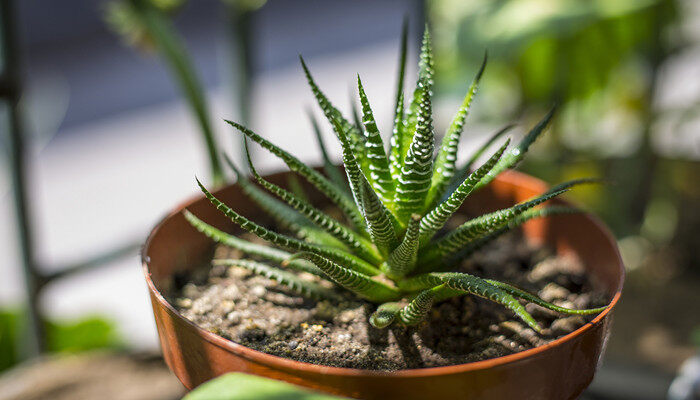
(561, 369)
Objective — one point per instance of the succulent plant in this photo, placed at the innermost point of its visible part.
(391, 246)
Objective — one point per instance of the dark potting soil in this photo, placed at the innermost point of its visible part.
(263, 315)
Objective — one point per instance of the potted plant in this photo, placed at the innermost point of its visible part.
(376, 273)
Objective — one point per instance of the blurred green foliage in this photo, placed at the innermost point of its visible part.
(88, 333)
(237, 386)
(599, 61)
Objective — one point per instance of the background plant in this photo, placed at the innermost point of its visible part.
(393, 249)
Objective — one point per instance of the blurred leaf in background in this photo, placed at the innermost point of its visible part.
(237, 386)
(88, 333)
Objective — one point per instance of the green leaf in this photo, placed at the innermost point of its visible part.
(478, 227)
(252, 249)
(531, 298)
(517, 221)
(418, 307)
(353, 132)
(403, 259)
(240, 386)
(513, 157)
(436, 218)
(415, 178)
(472, 285)
(377, 161)
(293, 282)
(288, 243)
(358, 283)
(464, 170)
(424, 88)
(356, 243)
(380, 223)
(444, 168)
(336, 195)
(328, 167)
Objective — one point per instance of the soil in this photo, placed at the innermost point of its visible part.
(263, 315)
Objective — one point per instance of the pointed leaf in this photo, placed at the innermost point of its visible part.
(301, 286)
(266, 252)
(380, 222)
(472, 285)
(378, 163)
(436, 218)
(445, 162)
(336, 195)
(510, 159)
(403, 258)
(287, 243)
(531, 298)
(356, 243)
(360, 284)
(328, 167)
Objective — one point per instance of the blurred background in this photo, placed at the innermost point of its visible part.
(109, 108)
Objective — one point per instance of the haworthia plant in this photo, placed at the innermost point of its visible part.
(390, 247)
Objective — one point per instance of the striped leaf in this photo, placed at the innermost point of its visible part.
(396, 153)
(513, 157)
(295, 283)
(378, 163)
(384, 315)
(380, 223)
(328, 167)
(352, 131)
(415, 178)
(444, 168)
(403, 259)
(531, 298)
(252, 249)
(336, 195)
(424, 88)
(465, 169)
(358, 283)
(517, 221)
(478, 227)
(471, 285)
(290, 244)
(416, 310)
(356, 243)
(436, 218)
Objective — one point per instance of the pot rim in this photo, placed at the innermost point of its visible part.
(277, 362)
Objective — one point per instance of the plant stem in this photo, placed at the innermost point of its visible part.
(173, 52)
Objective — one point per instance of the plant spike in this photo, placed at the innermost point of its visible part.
(266, 252)
(418, 308)
(396, 153)
(531, 298)
(403, 259)
(415, 178)
(361, 246)
(378, 163)
(445, 162)
(331, 113)
(424, 87)
(337, 196)
(436, 218)
(478, 243)
(302, 287)
(472, 285)
(358, 283)
(510, 159)
(478, 227)
(379, 220)
(328, 167)
(464, 170)
(287, 243)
